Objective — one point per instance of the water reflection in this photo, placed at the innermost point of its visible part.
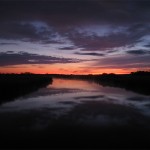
(78, 102)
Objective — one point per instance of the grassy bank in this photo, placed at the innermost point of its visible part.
(16, 85)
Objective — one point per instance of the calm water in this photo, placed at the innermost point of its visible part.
(78, 102)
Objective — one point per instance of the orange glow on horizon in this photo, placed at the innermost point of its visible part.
(57, 69)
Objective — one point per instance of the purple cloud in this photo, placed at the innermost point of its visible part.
(27, 58)
(90, 54)
(123, 62)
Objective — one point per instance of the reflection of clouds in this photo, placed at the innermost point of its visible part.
(102, 120)
(52, 91)
(105, 113)
(141, 103)
(38, 119)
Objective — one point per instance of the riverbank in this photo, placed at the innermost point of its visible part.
(138, 82)
(16, 85)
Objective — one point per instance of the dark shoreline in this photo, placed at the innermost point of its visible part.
(15, 85)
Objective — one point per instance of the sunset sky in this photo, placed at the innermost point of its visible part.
(74, 36)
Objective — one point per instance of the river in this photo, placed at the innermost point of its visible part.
(80, 102)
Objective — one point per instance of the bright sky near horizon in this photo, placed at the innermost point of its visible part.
(74, 36)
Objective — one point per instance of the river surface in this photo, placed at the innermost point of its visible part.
(77, 102)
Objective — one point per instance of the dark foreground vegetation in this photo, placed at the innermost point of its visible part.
(135, 81)
(16, 85)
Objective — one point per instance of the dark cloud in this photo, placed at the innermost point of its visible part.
(15, 30)
(48, 41)
(30, 31)
(76, 10)
(137, 98)
(137, 27)
(94, 42)
(91, 54)
(90, 97)
(123, 62)
(138, 52)
(33, 32)
(27, 58)
(67, 48)
(147, 45)
(8, 44)
(122, 38)
(111, 51)
(64, 16)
